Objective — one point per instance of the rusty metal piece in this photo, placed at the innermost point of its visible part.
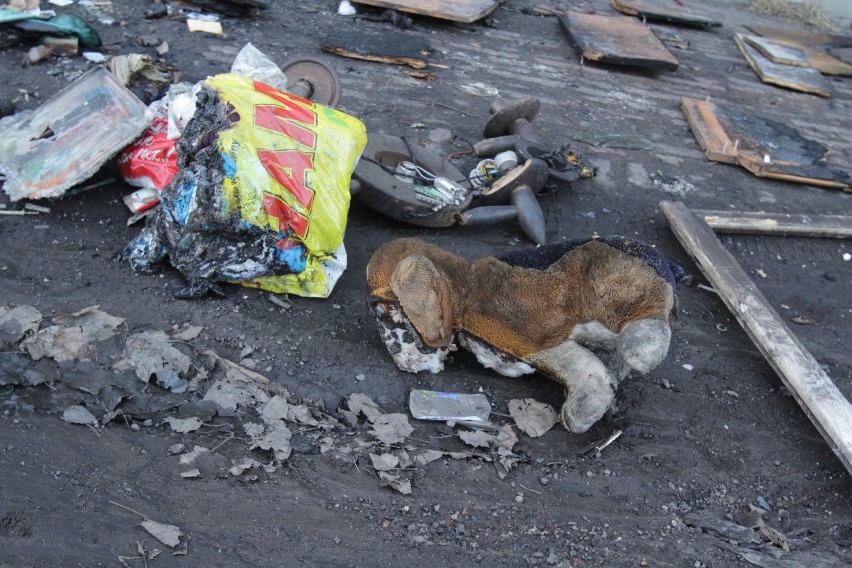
(310, 78)
(519, 187)
(376, 185)
(513, 118)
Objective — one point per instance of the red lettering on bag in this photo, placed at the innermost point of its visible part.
(289, 168)
(295, 109)
(275, 207)
(278, 119)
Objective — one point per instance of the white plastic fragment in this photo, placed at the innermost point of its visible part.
(94, 56)
(251, 62)
(345, 8)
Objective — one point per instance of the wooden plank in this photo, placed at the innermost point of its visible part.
(617, 40)
(810, 43)
(708, 131)
(778, 52)
(805, 79)
(765, 147)
(465, 11)
(815, 392)
(826, 63)
(372, 43)
(803, 38)
(669, 15)
(777, 224)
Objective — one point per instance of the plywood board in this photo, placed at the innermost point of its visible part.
(805, 79)
(804, 38)
(455, 10)
(766, 147)
(777, 224)
(810, 43)
(812, 388)
(826, 63)
(778, 52)
(669, 15)
(379, 44)
(617, 40)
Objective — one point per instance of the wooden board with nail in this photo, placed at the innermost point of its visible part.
(465, 11)
(617, 40)
(812, 388)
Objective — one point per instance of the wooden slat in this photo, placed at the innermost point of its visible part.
(818, 58)
(804, 38)
(805, 79)
(618, 40)
(708, 131)
(826, 63)
(375, 44)
(777, 224)
(667, 14)
(455, 10)
(815, 392)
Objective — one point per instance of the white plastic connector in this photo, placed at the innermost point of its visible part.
(505, 161)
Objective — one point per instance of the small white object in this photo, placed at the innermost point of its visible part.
(406, 172)
(94, 56)
(847, 257)
(180, 101)
(484, 171)
(205, 26)
(767, 159)
(688, 367)
(346, 8)
(505, 161)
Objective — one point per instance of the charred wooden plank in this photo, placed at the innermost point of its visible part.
(805, 79)
(465, 11)
(812, 388)
(669, 15)
(617, 40)
(811, 44)
(765, 147)
(777, 224)
(379, 44)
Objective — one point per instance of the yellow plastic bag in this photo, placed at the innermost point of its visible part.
(273, 211)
